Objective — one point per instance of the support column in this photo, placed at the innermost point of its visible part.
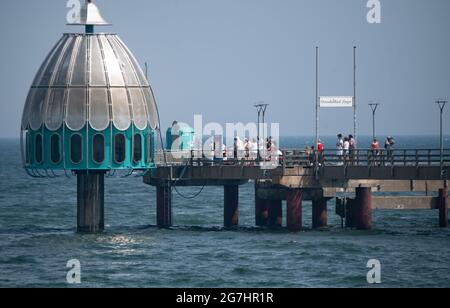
(294, 209)
(275, 213)
(231, 206)
(164, 206)
(443, 207)
(319, 213)
(90, 202)
(261, 210)
(363, 214)
(350, 212)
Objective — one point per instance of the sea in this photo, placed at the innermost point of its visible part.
(38, 238)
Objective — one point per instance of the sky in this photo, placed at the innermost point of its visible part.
(219, 57)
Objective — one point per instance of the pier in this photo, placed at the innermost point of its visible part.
(295, 178)
(91, 111)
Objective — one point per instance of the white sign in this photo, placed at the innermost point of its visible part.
(336, 101)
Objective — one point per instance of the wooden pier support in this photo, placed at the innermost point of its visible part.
(319, 213)
(231, 206)
(363, 208)
(164, 206)
(443, 207)
(294, 209)
(90, 202)
(275, 208)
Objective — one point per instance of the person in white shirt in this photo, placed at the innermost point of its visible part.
(247, 146)
(339, 147)
(254, 149)
(346, 148)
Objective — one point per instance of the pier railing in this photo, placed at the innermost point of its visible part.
(207, 158)
(303, 158)
(371, 158)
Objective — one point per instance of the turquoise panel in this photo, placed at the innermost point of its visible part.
(62, 160)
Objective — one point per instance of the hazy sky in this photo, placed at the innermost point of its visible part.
(219, 57)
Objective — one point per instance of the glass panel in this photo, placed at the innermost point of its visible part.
(27, 148)
(139, 108)
(55, 110)
(76, 109)
(99, 109)
(137, 148)
(44, 65)
(51, 68)
(151, 107)
(76, 149)
(136, 65)
(148, 152)
(36, 108)
(120, 109)
(125, 62)
(61, 73)
(79, 68)
(119, 148)
(27, 108)
(112, 64)
(98, 77)
(55, 148)
(98, 148)
(38, 149)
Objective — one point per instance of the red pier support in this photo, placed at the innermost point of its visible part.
(294, 209)
(363, 208)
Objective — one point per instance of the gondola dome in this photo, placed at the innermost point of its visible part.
(90, 85)
(90, 79)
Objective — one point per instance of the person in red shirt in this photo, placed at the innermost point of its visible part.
(320, 149)
(375, 147)
(319, 146)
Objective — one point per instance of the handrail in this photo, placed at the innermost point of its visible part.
(305, 158)
(369, 157)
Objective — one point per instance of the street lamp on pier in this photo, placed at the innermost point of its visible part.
(261, 108)
(374, 107)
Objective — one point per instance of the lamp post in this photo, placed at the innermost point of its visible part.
(374, 107)
(441, 103)
(261, 109)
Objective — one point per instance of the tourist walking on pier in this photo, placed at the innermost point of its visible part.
(375, 147)
(320, 149)
(389, 146)
(247, 146)
(346, 148)
(339, 148)
(352, 147)
(309, 155)
(254, 149)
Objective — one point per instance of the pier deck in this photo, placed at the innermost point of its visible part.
(295, 177)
